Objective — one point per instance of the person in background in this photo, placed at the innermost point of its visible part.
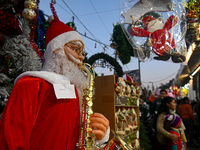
(167, 106)
(154, 108)
(186, 113)
(175, 124)
(43, 111)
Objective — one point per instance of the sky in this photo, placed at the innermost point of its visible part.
(96, 19)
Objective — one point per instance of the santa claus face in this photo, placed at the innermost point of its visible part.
(155, 25)
(74, 52)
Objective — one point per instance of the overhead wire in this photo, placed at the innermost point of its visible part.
(161, 79)
(99, 16)
(81, 22)
(99, 12)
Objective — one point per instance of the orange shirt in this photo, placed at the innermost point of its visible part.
(186, 111)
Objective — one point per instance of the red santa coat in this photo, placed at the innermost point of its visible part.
(35, 119)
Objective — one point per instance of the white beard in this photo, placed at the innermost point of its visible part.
(59, 63)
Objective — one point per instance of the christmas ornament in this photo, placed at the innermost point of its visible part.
(30, 4)
(10, 24)
(28, 14)
(29, 11)
(162, 42)
(192, 20)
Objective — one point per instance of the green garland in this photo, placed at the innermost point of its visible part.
(109, 59)
(124, 50)
(72, 25)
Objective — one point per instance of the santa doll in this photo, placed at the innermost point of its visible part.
(161, 40)
(43, 110)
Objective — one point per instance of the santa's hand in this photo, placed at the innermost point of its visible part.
(100, 125)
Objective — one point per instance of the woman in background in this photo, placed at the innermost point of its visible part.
(168, 106)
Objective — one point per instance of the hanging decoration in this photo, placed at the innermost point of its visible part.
(124, 49)
(106, 58)
(192, 20)
(41, 31)
(72, 25)
(155, 26)
(29, 11)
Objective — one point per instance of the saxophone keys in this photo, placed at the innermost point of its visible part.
(90, 103)
(90, 112)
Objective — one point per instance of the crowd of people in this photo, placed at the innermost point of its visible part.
(175, 122)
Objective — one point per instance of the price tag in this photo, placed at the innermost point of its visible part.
(62, 91)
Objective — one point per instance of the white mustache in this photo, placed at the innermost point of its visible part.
(77, 61)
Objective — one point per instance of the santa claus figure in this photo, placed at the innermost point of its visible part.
(43, 110)
(161, 40)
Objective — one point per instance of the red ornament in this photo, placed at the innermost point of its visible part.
(10, 24)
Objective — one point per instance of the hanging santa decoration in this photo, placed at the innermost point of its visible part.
(161, 40)
(155, 29)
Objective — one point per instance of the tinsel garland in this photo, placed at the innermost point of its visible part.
(32, 34)
(72, 25)
(124, 50)
(109, 59)
(41, 30)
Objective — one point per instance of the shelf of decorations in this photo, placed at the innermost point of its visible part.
(118, 100)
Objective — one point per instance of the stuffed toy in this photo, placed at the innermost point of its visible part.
(162, 42)
(120, 88)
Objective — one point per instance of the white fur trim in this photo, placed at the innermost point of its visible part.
(52, 78)
(59, 42)
(106, 137)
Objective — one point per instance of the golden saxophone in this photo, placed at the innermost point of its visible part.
(87, 140)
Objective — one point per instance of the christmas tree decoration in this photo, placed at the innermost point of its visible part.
(28, 14)
(29, 11)
(192, 20)
(10, 24)
(30, 4)
(41, 31)
(124, 49)
(17, 56)
(112, 61)
(72, 25)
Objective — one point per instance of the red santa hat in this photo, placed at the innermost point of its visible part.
(149, 17)
(128, 78)
(57, 35)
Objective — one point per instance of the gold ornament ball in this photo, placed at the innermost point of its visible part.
(28, 14)
(30, 5)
